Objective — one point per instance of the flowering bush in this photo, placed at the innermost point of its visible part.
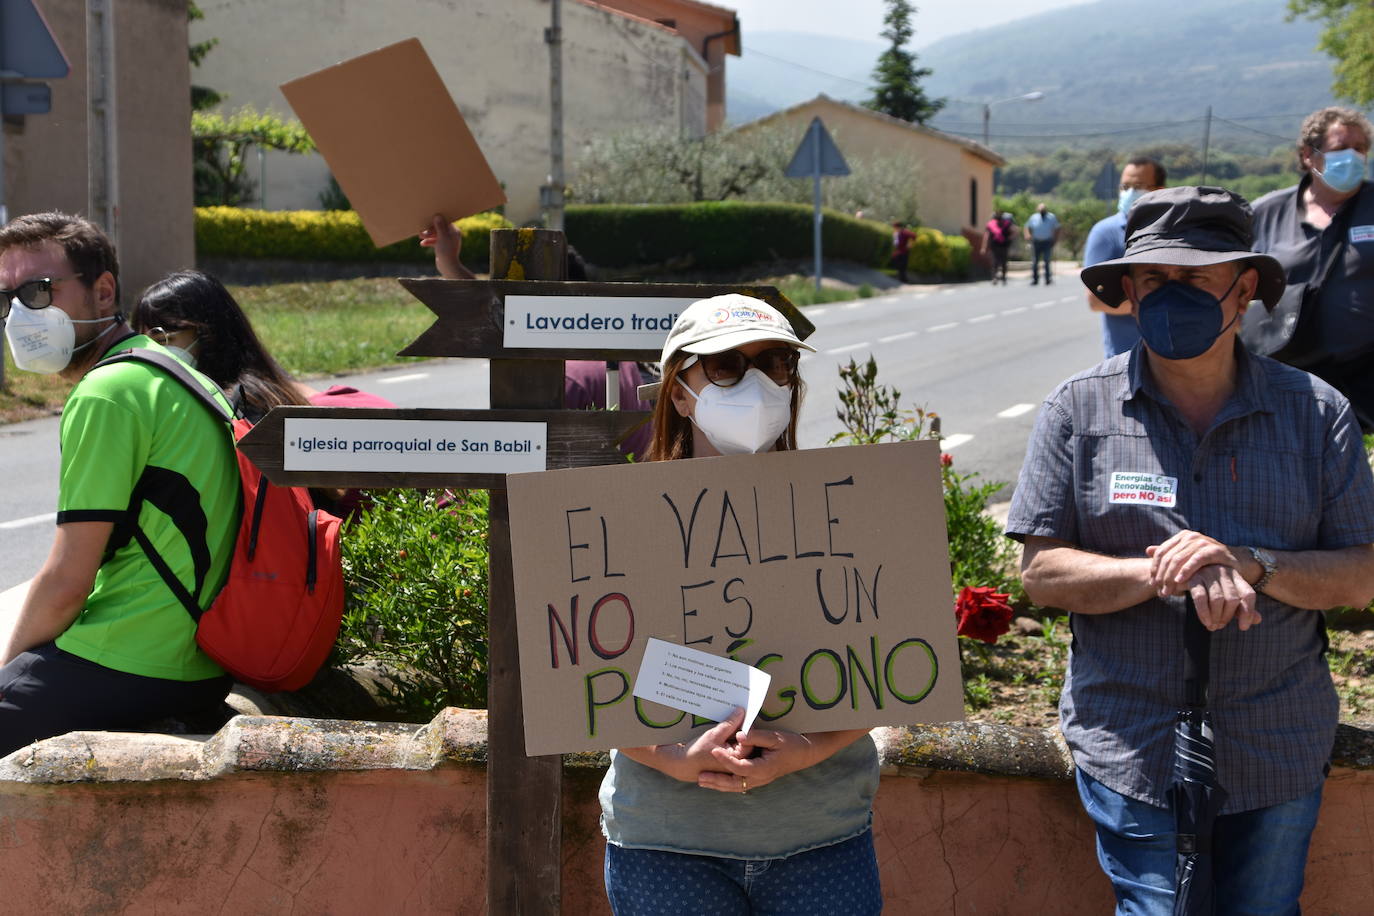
(982, 613)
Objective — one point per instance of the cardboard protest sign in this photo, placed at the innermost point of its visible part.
(395, 140)
(826, 568)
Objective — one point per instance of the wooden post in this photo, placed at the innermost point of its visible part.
(524, 794)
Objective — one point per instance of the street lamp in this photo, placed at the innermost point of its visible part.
(1035, 96)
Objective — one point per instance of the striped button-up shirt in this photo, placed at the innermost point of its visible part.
(1112, 467)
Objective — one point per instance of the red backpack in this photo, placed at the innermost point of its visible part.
(274, 622)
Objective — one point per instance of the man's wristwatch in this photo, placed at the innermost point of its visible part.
(1267, 562)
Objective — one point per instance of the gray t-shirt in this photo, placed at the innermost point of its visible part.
(828, 803)
(1282, 467)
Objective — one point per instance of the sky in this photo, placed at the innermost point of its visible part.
(935, 19)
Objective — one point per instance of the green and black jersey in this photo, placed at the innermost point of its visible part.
(131, 434)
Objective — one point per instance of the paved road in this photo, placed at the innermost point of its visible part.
(981, 356)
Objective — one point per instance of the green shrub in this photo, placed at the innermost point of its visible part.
(929, 255)
(978, 553)
(321, 235)
(718, 234)
(415, 570)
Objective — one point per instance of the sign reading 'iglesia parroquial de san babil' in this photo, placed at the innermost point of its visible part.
(826, 568)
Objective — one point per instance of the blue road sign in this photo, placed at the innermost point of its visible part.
(27, 47)
(805, 162)
(25, 98)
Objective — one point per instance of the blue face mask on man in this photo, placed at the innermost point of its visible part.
(1127, 199)
(1180, 321)
(1344, 170)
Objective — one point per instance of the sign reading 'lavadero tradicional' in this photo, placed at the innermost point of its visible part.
(626, 322)
(826, 568)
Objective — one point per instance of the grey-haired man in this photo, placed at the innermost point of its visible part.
(1189, 466)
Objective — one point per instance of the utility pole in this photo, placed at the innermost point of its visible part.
(103, 168)
(552, 193)
(1206, 142)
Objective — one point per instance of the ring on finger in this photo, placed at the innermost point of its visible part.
(744, 785)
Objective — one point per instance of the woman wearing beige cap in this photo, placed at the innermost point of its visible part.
(734, 822)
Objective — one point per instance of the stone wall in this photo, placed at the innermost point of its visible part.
(302, 816)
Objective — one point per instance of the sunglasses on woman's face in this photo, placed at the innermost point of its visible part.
(728, 367)
(35, 294)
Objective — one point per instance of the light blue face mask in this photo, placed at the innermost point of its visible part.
(1344, 170)
(1127, 199)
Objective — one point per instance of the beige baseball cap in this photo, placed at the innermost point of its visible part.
(722, 323)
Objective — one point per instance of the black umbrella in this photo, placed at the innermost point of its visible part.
(1194, 793)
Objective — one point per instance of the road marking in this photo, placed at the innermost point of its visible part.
(954, 441)
(981, 318)
(408, 377)
(1015, 410)
(858, 346)
(31, 520)
(1069, 299)
(942, 327)
(948, 292)
(815, 311)
(895, 337)
(1044, 305)
(853, 305)
(1016, 311)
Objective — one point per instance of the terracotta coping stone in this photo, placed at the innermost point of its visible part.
(458, 736)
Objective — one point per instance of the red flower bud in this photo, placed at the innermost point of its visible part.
(946, 459)
(982, 613)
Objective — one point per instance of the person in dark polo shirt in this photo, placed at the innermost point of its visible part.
(1322, 231)
(1188, 467)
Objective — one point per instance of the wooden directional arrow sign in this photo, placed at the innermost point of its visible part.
(429, 447)
(529, 319)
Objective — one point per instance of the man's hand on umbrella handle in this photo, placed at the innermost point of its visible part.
(1221, 593)
(1174, 563)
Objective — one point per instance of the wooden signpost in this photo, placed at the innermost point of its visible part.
(526, 327)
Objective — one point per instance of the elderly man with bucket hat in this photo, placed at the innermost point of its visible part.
(1190, 468)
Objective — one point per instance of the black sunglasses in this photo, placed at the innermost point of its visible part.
(726, 368)
(35, 294)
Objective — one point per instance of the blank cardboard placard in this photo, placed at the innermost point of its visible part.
(395, 140)
(826, 568)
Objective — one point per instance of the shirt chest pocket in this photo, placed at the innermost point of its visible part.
(1130, 498)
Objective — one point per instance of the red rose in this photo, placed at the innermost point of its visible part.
(982, 613)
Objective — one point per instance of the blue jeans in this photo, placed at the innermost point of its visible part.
(1258, 863)
(840, 879)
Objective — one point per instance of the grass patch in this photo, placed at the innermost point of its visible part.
(802, 290)
(343, 326)
(26, 395)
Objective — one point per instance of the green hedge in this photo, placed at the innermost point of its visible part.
(718, 234)
(321, 235)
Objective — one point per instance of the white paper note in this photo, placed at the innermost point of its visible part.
(700, 683)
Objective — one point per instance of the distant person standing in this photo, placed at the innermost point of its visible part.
(1107, 242)
(902, 237)
(997, 242)
(1042, 231)
(1322, 231)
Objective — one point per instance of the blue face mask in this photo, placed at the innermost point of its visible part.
(1344, 170)
(1181, 321)
(1127, 199)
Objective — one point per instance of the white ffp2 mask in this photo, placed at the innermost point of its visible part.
(43, 340)
(747, 417)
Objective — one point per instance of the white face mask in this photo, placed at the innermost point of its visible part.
(42, 340)
(745, 418)
(183, 354)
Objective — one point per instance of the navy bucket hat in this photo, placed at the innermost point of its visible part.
(1186, 227)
